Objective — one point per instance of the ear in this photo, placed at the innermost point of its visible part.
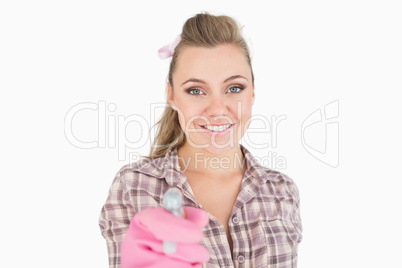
(170, 95)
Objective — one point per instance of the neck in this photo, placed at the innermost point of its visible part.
(211, 161)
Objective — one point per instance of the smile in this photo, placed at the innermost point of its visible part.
(217, 128)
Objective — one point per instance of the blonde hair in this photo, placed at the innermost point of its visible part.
(202, 30)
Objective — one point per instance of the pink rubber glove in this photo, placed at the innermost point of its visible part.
(143, 243)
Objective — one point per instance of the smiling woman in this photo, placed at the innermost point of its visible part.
(237, 213)
(217, 91)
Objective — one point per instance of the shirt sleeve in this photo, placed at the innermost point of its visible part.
(295, 236)
(115, 218)
(295, 215)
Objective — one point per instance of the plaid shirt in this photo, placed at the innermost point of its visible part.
(265, 224)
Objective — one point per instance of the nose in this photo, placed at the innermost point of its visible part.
(217, 106)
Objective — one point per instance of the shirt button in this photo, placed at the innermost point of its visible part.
(235, 220)
(240, 258)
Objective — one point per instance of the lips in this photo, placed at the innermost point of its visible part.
(217, 128)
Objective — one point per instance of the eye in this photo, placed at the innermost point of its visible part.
(194, 91)
(235, 89)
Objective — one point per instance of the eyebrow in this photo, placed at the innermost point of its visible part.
(203, 82)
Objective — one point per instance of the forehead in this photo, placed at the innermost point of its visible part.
(212, 63)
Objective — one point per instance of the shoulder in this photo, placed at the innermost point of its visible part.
(151, 166)
(141, 183)
(282, 184)
(146, 167)
(273, 182)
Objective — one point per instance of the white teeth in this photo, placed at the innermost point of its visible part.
(216, 128)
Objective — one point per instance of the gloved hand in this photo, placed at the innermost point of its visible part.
(143, 243)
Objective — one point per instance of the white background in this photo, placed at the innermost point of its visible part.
(306, 54)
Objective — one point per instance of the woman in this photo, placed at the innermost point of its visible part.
(243, 214)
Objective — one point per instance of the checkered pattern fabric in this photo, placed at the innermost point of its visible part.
(265, 224)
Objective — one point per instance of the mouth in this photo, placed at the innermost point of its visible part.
(217, 128)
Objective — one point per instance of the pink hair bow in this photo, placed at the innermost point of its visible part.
(168, 50)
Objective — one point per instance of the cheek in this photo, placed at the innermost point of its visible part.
(246, 120)
(245, 116)
(243, 110)
(187, 114)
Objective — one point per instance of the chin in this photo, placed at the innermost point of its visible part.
(220, 150)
